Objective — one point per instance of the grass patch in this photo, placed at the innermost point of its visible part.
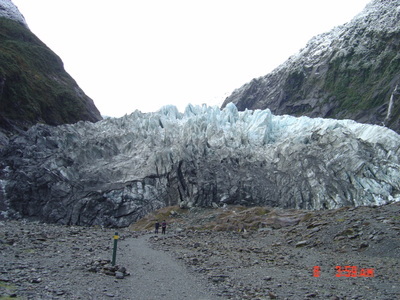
(30, 251)
(231, 218)
(307, 217)
(7, 286)
(171, 214)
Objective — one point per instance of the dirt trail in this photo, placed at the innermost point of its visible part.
(156, 275)
(43, 261)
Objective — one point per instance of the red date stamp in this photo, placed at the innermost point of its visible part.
(347, 271)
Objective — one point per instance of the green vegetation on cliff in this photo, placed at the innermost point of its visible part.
(364, 83)
(350, 72)
(34, 87)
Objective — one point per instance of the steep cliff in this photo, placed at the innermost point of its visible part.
(34, 87)
(351, 72)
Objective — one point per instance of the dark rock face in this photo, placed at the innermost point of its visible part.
(34, 87)
(115, 171)
(351, 72)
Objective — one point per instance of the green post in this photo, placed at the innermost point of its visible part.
(116, 237)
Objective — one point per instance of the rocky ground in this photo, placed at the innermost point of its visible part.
(234, 252)
(281, 259)
(41, 261)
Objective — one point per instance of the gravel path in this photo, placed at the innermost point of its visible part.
(156, 275)
(44, 261)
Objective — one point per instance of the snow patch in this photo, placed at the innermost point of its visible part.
(10, 11)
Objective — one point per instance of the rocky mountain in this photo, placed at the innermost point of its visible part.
(34, 87)
(117, 170)
(9, 11)
(351, 72)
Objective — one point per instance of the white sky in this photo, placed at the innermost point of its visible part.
(144, 54)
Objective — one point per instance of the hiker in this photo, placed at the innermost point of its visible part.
(163, 227)
(157, 225)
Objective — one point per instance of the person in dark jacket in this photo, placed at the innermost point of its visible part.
(157, 225)
(163, 226)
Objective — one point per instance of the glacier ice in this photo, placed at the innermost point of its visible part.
(115, 171)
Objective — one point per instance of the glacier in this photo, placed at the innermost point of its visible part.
(117, 170)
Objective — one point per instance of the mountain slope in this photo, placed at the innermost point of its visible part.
(350, 72)
(34, 87)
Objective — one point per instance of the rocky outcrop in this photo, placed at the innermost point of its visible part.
(34, 87)
(8, 10)
(350, 72)
(115, 171)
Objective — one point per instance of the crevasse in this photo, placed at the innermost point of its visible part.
(114, 171)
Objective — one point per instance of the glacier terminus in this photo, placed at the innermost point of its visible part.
(117, 170)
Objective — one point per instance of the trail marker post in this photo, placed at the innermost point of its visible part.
(114, 256)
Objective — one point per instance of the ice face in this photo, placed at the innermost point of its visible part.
(117, 170)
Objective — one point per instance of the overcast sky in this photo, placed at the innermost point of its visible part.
(130, 54)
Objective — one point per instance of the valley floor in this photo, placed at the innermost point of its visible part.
(349, 253)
